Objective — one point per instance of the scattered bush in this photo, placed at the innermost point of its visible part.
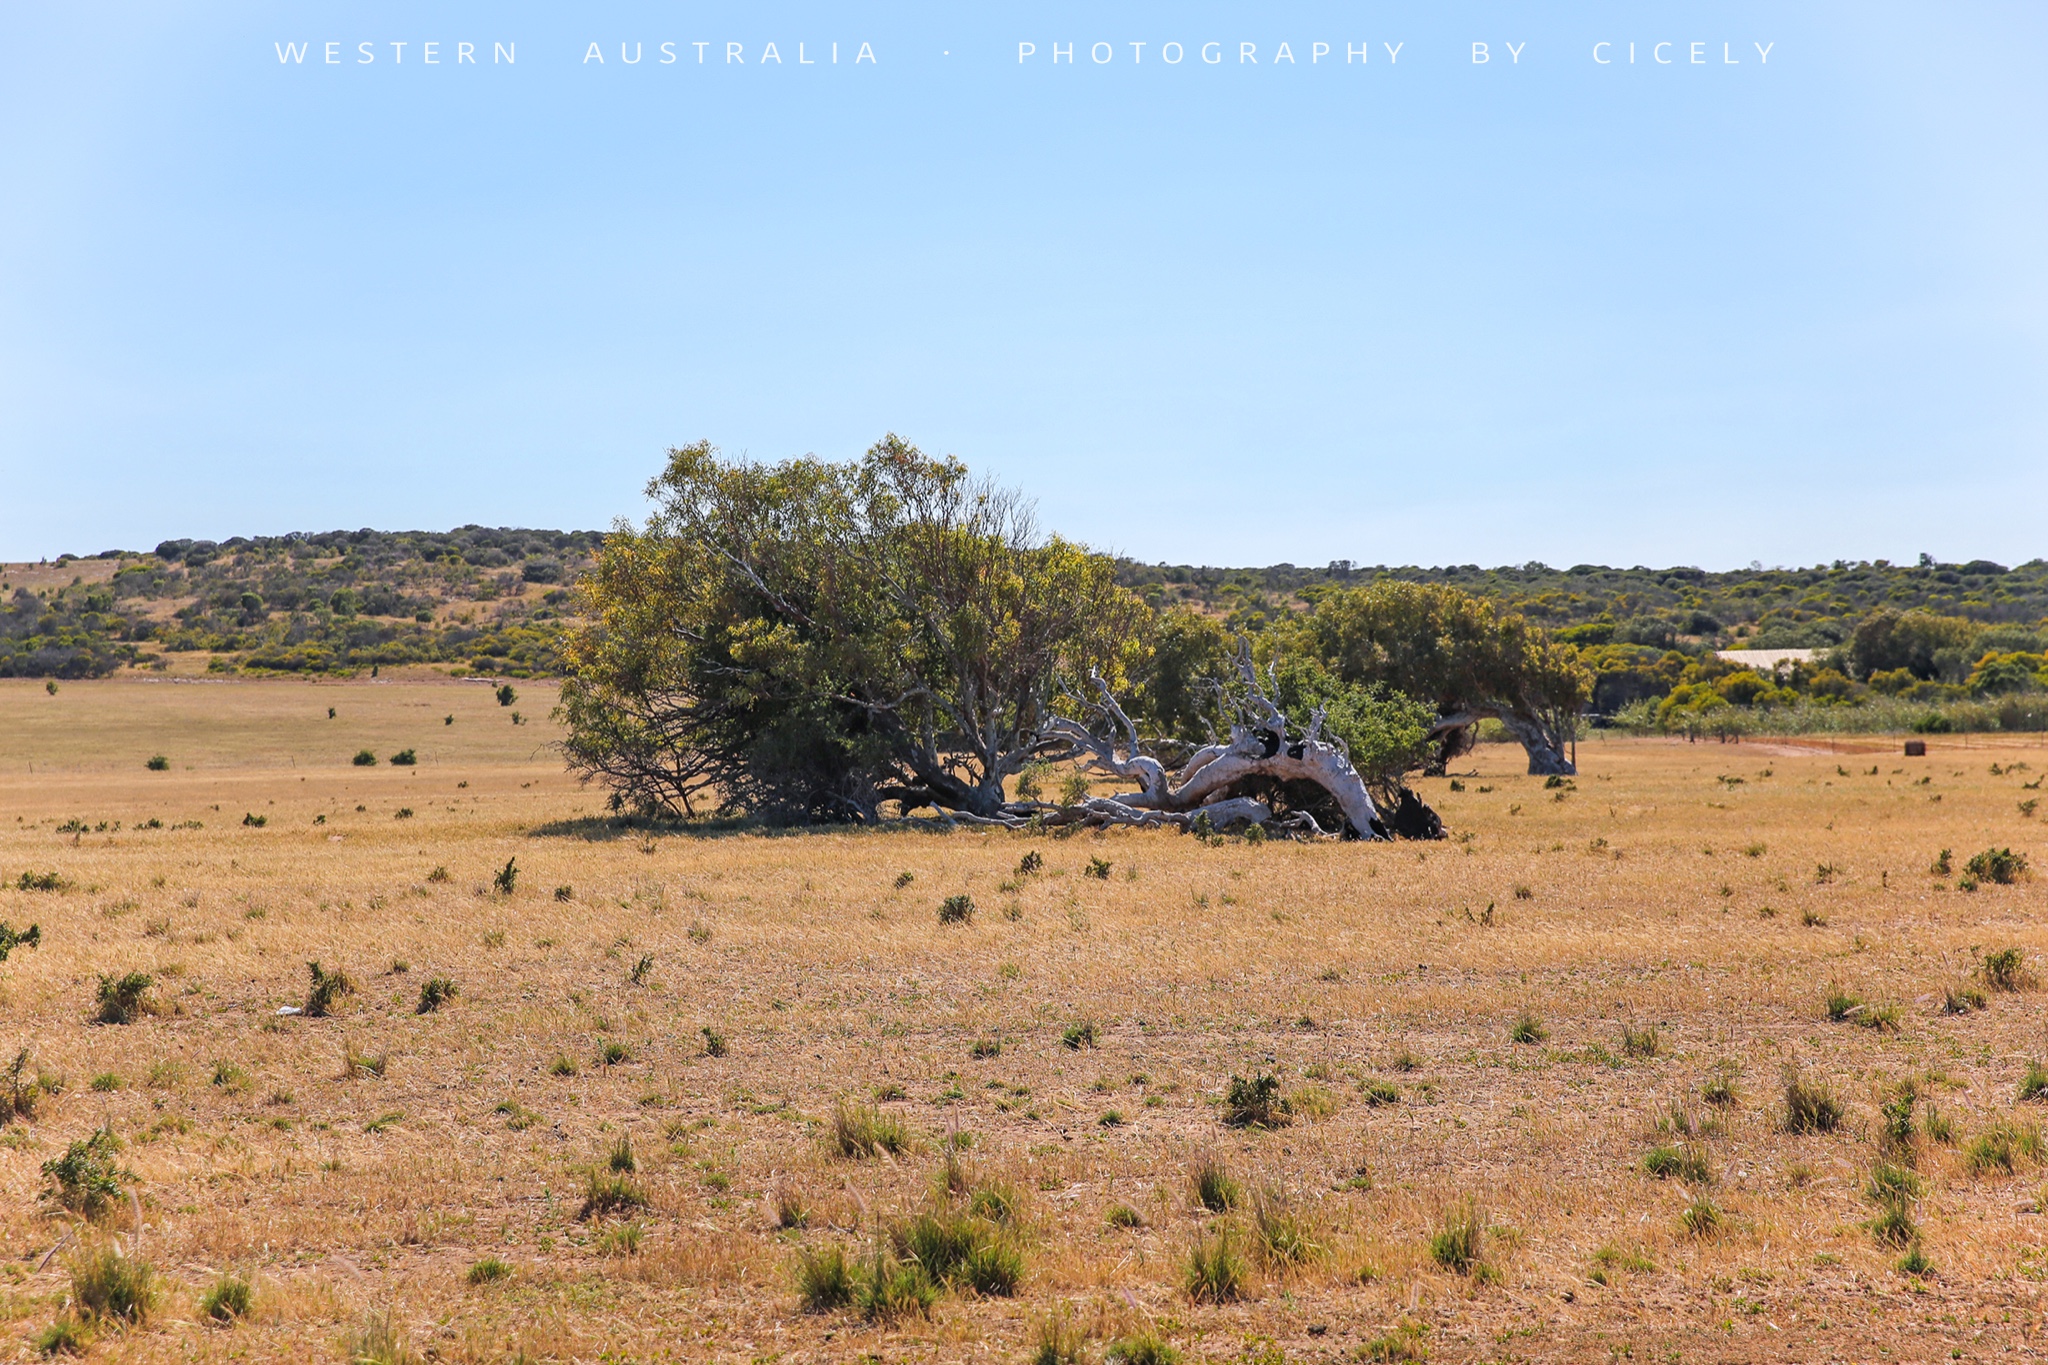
(506, 696)
(2002, 1147)
(109, 1287)
(1256, 1102)
(507, 877)
(1810, 1105)
(824, 1279)
(2000, 865)
(1146, 1348)
(611, 1192)
(1074, 1037)
(861, 1131)
(1215, 1189)
(956, 909)
(404, 758)
(1527, 1029)
(1687, 1163)
(1097, 868)
(436, 992)
(40, 881)
(327, 988)
(10, 938)
(158, 763)
(1285, 1237)
(488, 1271)
(364, 759)
(1031, 862)
(2034, 1084)
(1216, 1270)
(2006, 970)
(85, 1179)
(123, 998)
(1460, 1244)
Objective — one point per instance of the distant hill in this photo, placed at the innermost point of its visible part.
(491, 599)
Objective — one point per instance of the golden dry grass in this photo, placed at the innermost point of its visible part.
(1334, 967)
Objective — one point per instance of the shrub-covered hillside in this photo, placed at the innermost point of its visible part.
(476, 596)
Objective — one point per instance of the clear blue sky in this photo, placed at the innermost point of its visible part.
(1414, 311)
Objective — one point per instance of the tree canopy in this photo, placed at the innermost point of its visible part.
(806, 640)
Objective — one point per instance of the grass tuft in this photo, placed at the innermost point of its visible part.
(1810, 1105)
(860, 1132)
(1256, 1102)
(228, 1299)
(1216, 1271)
(1459, 1244)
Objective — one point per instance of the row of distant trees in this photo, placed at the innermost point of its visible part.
(818, 641)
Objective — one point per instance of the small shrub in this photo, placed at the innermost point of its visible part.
(984, 1048)
(1124, 1216)
(1460, 1244)
(1687, 1163)
(105, 1083)
(64, 1337)
(1640, 1042)
(227, 1299)
(1701, 1218)
(1146, 1348)
(1941, 866)
(1404, 1343)
(11, 938)
(1961, 999)
(506, 696)
(824, 1279)
(40, 881)
(565, 893)
(356, 1062)
(1058, 1340)
(714, 1042)
(2006, 970)
(1841, 1006)
(122, 998)
(404, 758)
(506, 877)
(1285, 1237)
(402, 813)
(638, 976)
(860, 1132)
(230, 1078)
(562, 1066)
(436, 992)
(1527, 1029)
(109, 1287)
(439, 874)
(1097, 868)
(611, 1192)
(1074, 1037)
(1810, 1106)
(2034, 1084)
(2000, 865)
(1216, 1270)
(85, 1179)
(792, 1210)
(614, 1053)
(956, 909)
(488, 1271)
(364, 759)
(1379, 1093)
(327, 987)
(1215, 1189)
(1031, 862)
(1915, 1261)
(1255, 1102)
(2002, 1147)
(158, 763)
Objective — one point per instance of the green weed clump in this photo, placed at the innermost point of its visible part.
(2002, 1147)
(1403, 1343)
(228, 1299)
(158, 763)
(1284, 1237)
(824, 1279)
(956, 909)
(860, 1132)
(124, 998)
(327, 988)
(1074, 1037)
(1057, 1339)
(489, 1270)
(109, 1287)
(1145, 1348)
(611, 1192)
(1687, 1163)
(436, 992)
(1216, 1271)
(2006, 970)
(962, 1249)
(1215, 1189)
(1256, 1102)
(1459, 1244)
(85, 1179)
(2034, 1084)
(2000, 865)
(1527, 1029)
(1810, 1106)
(364, 759)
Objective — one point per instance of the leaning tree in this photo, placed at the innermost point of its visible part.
(819, 642)
(1458, 652)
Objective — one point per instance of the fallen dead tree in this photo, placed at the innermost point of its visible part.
(1221, 786)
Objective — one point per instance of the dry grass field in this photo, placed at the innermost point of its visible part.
(1510, 1021)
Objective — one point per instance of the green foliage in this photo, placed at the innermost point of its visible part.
(1459, 1244)
(434, 993)
(1057, 1339)
(1074, 1037)
(404, 758)
(1145, 1348)
(1687, 1163)
(64, 1337)
(226, 1300)
(1810, 1105)
(792, 640)
(1256, 1102)
(860, 1132)
(1214, 1188)
(158, 763)
(85, 1179)
(2002, 1147)
(960, 1248)
(507, 877)
(2000, 865)
(609, 1192)
(123, 997)
(506, 694)
(326, 989)
(824, 1279)
(364, 759)
(956, 909)
(10, 938)
(489, 1270)
(1216, 1271)
(1527, 1029)
(109, 1287)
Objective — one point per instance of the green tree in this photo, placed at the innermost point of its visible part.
(1456, 652)
(1922, 643)
(807, 640)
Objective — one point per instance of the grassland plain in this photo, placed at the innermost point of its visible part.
(1663, 933)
